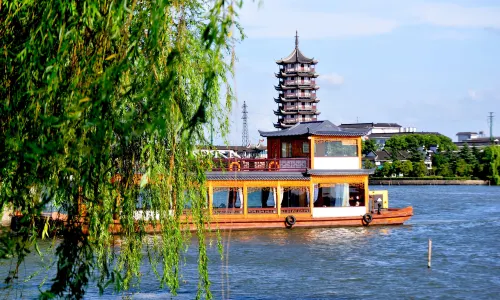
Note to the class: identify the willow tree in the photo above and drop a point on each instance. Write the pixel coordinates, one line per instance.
(103, 101)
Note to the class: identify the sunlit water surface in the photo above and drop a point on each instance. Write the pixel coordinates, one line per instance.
(387, 262)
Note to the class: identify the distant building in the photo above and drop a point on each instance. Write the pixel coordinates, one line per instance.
(381, 132)
(251, 151)
(382, 156)
(297, 101)
(381, 138)
(479, 142)
(377, 127)
(463, 136)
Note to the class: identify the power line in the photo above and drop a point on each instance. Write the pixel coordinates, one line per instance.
(244, 136)
(490, 121)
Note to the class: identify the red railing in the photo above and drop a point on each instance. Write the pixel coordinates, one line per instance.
(261, 164)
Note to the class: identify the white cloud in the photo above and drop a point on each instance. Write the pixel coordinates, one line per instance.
(473, 94)
(332, 79)
(317, 19)
(266, 22)
(453, 15)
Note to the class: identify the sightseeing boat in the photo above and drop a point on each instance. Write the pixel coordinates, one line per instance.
(312, 177)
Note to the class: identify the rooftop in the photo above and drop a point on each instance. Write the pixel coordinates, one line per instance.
(389, 134)
(483, 141)
(319, 128)
(262, 175)
(369, 125)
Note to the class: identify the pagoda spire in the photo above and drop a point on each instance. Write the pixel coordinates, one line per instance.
(296, 39)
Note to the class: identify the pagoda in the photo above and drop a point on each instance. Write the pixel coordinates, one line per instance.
(297, 89)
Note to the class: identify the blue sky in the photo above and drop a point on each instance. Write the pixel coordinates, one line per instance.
(433, 65)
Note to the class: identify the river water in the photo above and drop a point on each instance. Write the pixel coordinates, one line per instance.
(387, 262)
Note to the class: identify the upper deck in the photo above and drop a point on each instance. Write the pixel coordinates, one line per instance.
(317, 145)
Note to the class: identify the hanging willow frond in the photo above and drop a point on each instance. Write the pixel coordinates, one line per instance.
(92, 89)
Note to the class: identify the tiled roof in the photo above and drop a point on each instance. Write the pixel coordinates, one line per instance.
(256, 176)
(341, 172)
(466, 133)
(369, 125)
(389, 134)
(321, 128)
(296, 57)
(384, 155)
(483, 141)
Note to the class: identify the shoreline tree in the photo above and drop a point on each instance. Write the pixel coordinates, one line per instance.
(92, 89)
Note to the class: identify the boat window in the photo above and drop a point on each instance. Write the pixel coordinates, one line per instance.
(305, 147)
(144, 198)
(294, 197)
(346, 148)
(286, 149)
(339, 195)
(261, 197)
(188, 204)
(357, 194)
(228, 200)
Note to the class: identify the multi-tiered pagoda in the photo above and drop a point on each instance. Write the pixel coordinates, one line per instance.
(297, 89)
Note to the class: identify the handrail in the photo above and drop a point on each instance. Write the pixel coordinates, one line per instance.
(262, 164)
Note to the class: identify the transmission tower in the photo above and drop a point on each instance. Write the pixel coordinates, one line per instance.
(244, 136)
(490, 122)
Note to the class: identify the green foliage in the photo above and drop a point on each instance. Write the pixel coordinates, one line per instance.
(385, 170)
(419, 169)
(396, 167)
(406, 168)
(91, 89)
(368, 146)
(411, 142)
(367, 164)
(491, 160)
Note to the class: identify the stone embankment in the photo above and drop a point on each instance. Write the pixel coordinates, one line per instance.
(427, 182)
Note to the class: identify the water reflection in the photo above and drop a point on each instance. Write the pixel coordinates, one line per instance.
(350, 263)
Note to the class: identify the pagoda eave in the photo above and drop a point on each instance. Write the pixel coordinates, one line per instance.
(308, 112)
(282, 125)
(295, 74)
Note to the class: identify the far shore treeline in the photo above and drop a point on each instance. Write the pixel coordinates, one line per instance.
(448, 161)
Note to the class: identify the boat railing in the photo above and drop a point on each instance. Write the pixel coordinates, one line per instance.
(262, 210)
(295, 210)
(261, 164)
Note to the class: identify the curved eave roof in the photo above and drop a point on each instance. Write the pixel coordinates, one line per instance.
(283, 125)
(314, 128)
(308, 112)
(296, 57)
(284, 112)
(295, 99)
(339, 172)
(256, 176)
(294, 74)
(296, 87)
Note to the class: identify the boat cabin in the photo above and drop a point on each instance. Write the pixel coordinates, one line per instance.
(313, 169)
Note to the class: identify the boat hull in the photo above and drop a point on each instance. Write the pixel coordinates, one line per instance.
(393, 216)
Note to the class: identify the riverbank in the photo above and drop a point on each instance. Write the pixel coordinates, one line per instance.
(426, 182)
